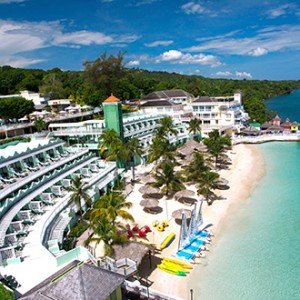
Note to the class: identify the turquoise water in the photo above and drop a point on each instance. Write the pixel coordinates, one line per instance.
(258, 254)
(287, 106)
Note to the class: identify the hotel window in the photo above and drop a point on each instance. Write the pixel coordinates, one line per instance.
(201, 108)
(206, 116)
(206, 122)
(214, 116)
(195, 108)
(208, 108)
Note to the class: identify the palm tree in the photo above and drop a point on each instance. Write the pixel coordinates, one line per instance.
(133, 148)
(107, 139)
(196, 167)
(217, 144)
(161, 149)
(207, 182)
(40, 124)
(111, 206)
(167, 178)
(78, 191)
(195, 128)
(104, 230)
(167, 126)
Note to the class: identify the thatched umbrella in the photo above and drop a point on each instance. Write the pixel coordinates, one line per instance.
(147, 178)
(250, 131)
(184, 194)
(275, 128)
(132, 250)
(149, 203)
(222, 183)
(147, 189)
(177, 214)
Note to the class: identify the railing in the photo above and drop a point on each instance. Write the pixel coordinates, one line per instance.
(124, 266)
(150, 293)
(29, 152)
(133, 132)
(78, 131)
(44, 180)
(17, 185)
(107, 170)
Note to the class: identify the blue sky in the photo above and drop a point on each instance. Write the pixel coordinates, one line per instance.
(252, 39)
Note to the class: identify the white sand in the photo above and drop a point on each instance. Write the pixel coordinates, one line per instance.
(243, 175)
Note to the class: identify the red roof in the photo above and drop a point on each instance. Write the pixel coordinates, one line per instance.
(112, 98)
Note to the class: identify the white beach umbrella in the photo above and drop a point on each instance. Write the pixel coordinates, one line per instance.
(36, 113)
(23, 119)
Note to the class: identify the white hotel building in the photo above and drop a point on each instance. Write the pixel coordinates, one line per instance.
(221, 111)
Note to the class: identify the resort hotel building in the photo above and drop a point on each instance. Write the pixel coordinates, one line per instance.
(35, 208)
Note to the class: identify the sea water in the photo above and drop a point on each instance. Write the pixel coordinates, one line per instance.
(257, 255)
(288, 106)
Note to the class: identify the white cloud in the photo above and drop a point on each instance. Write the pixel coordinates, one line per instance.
(171, 55)
(258, 52)
(223, 73)
(82, 37)
(11, 1)
(159, 43)
(243, 75)
(192, 8)
(21, 37)
(175, 56)
(17, 61)
(133, 63)
(144, 2)
(286, 9)
(271, 39)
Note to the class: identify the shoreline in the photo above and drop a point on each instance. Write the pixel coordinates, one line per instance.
(245, 173)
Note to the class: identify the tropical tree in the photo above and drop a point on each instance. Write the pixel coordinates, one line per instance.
(111, 206)
(206, 184)
(196, 167)
(134, 149)
(166, 126)
(40, 124)
(15, 108)
(107, 139)
(161, 148)
(107, 232)
(6, 294)
(217, 144)
(167, 179)
(79, 192)
(194, 128)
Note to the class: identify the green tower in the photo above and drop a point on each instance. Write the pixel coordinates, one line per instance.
(112, 109)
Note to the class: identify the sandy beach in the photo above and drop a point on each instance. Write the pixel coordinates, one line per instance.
(243, 174)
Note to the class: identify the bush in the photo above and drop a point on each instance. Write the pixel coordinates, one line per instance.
(75, 232)
(6, 294)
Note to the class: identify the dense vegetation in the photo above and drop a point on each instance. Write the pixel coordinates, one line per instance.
(5, 294)
(108, 74)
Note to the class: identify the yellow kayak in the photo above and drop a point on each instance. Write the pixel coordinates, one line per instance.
(174, 267)
(164, 268)
(178, 262)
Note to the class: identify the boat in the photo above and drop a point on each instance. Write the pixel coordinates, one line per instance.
(167, 241)
(164, 268)
(178, 262)
(174, 267)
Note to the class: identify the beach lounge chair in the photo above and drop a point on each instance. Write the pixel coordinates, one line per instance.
(37, 211)
(6, 180)
(34, 169)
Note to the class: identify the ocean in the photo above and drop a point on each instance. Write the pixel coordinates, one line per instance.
(257, 256)
(288, 106)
